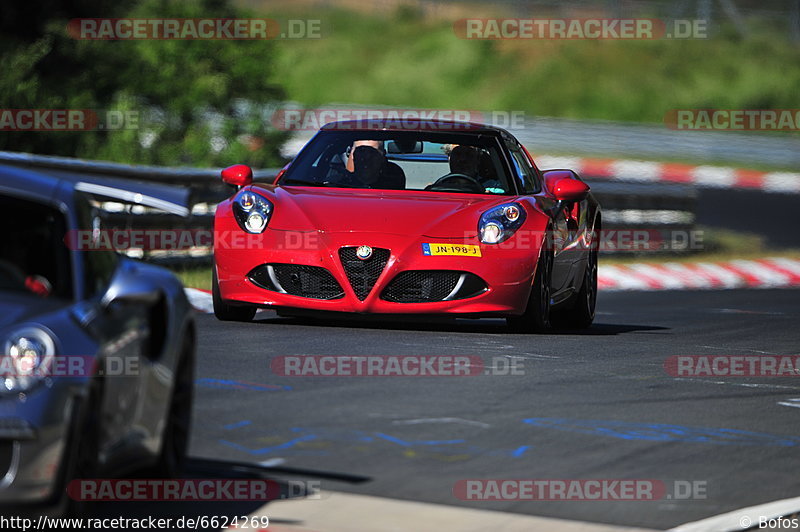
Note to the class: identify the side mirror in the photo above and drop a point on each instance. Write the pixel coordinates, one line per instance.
(564, 185)
(128, 286)
(239, 175)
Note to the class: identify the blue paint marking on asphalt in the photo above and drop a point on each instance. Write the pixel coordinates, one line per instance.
(412, 443)
(240, 385)
(237, 425)
(663, 432)
(519, 451)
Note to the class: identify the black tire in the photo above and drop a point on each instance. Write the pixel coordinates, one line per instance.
(175, 440)
(225, 312)
(86, 453)
(536, 318)
(580, 314)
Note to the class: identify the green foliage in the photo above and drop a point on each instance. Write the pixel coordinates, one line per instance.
(409, 61)
(198, 102)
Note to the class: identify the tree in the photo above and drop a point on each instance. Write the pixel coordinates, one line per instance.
(196, 102)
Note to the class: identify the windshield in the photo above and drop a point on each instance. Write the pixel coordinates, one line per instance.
(438, 162)
(33, 253)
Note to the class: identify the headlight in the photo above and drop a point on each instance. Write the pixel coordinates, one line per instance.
(26, 359)
(252, 211)
(499, 223)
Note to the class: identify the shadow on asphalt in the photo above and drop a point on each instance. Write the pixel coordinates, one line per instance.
(611, 329)
(436, 324)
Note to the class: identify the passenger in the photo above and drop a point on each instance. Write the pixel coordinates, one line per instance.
(350, 164)
(368, 168)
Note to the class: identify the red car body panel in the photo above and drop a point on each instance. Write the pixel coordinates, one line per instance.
(400, 221)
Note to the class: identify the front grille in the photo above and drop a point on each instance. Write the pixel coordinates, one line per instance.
(363, 274)
(301, 280)
(427, 286)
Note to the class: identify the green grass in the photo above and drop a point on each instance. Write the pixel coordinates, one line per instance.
(410, 61)
(196, 277)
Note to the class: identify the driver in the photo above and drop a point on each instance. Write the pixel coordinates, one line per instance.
(464, 160)
(477, 164)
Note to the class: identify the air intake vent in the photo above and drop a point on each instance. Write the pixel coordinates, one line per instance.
(312, 282)
(363, 274)
(427, 286)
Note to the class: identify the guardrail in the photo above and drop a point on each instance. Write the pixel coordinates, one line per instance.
(662, 210)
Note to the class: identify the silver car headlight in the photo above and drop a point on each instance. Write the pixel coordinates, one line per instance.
(499, 223)
(252, 211)
(26, 359)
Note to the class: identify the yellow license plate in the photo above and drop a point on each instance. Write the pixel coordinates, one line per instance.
(460, 250)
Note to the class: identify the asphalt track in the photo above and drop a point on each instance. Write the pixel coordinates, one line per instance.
(592, 405)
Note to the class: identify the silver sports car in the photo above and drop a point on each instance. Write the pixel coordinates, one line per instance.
(97, 360)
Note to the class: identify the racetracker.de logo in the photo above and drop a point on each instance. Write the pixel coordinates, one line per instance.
(160, 489)
(578, 28)
(602, 489)
(377, 366)
(20, 365)
(67, 120)
(733, 366)
(291, 119)
(125, 29)
(733, 119)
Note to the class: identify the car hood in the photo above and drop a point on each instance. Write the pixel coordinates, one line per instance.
(18, 307)
(432, 214)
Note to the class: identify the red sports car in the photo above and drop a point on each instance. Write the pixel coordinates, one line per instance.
(410, 217)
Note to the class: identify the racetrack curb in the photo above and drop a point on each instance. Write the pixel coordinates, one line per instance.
(200, 299)
(775, 272)
(655, 172)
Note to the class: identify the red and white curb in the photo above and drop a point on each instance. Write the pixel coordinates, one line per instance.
(654, 172)
(757, 273)
(773, 272)
(200, 299)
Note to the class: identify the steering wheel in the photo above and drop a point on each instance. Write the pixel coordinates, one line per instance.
(473, 185)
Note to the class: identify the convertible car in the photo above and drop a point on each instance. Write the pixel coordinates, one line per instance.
(410, 217)
(97, 361)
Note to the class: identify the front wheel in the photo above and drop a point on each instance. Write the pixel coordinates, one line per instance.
(175, 440)
(222, 310)
(83, 459)
(537, 314)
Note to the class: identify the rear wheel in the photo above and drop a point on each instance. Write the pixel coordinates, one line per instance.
(581, 314)
(536, 318)
(222, 310)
